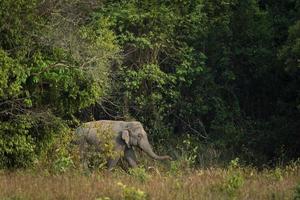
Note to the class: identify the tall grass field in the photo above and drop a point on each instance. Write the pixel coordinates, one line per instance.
(232, 182)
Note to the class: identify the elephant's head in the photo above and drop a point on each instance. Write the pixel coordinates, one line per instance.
(135, 135)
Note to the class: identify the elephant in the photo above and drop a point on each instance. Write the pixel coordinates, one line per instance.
(126, 136)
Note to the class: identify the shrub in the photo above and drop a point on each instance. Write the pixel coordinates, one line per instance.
(277, 174)
(233, 183)
(234, 180)
(103, 198)
(189, 151)
(63, 164)
(132, 193)
(175, 168)
(16, 144)
(297, 192)
(96, 156)
(140, 174)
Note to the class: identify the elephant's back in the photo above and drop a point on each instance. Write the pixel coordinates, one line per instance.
(101, 126)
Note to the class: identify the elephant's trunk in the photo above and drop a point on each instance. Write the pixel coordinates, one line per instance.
(153, 155)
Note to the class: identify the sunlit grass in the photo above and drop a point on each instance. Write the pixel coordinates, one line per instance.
(212, 183)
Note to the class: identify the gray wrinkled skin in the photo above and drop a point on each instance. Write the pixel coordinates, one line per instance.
(127, 136)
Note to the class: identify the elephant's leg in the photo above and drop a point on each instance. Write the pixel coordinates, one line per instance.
(112, 163)
(120, 148)
(83, 155)
(130, 157)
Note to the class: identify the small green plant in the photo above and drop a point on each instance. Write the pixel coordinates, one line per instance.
(139, 173)
(297, 192)
(175, 168)
(233, 183)
(132, 193)
(277, 174)
(63, 164)
(191, 150)
(234, 180)
(234, 164)
(103, 198)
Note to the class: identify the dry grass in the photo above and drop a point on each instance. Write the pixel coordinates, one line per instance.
(195, 184)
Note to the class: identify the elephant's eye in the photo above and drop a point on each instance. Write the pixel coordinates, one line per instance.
(140, 135)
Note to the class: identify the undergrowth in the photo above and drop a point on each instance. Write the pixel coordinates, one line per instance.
(156, 182)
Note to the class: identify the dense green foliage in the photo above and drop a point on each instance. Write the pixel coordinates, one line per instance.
(51, 68)
(222, 75)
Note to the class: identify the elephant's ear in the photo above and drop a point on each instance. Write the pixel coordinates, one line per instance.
(125, 137)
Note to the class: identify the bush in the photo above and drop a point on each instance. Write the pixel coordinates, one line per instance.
(140, 174)
(234, 180)
(103, 198)
(131, 193)
(63, 164)
(96, 156)
(17, 146)
(175, 168)
(297, 192)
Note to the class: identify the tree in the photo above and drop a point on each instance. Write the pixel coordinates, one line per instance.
(52, 65)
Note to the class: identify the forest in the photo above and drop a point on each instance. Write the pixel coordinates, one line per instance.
(215, 83)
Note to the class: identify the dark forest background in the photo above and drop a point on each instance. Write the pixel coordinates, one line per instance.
(213, 80)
